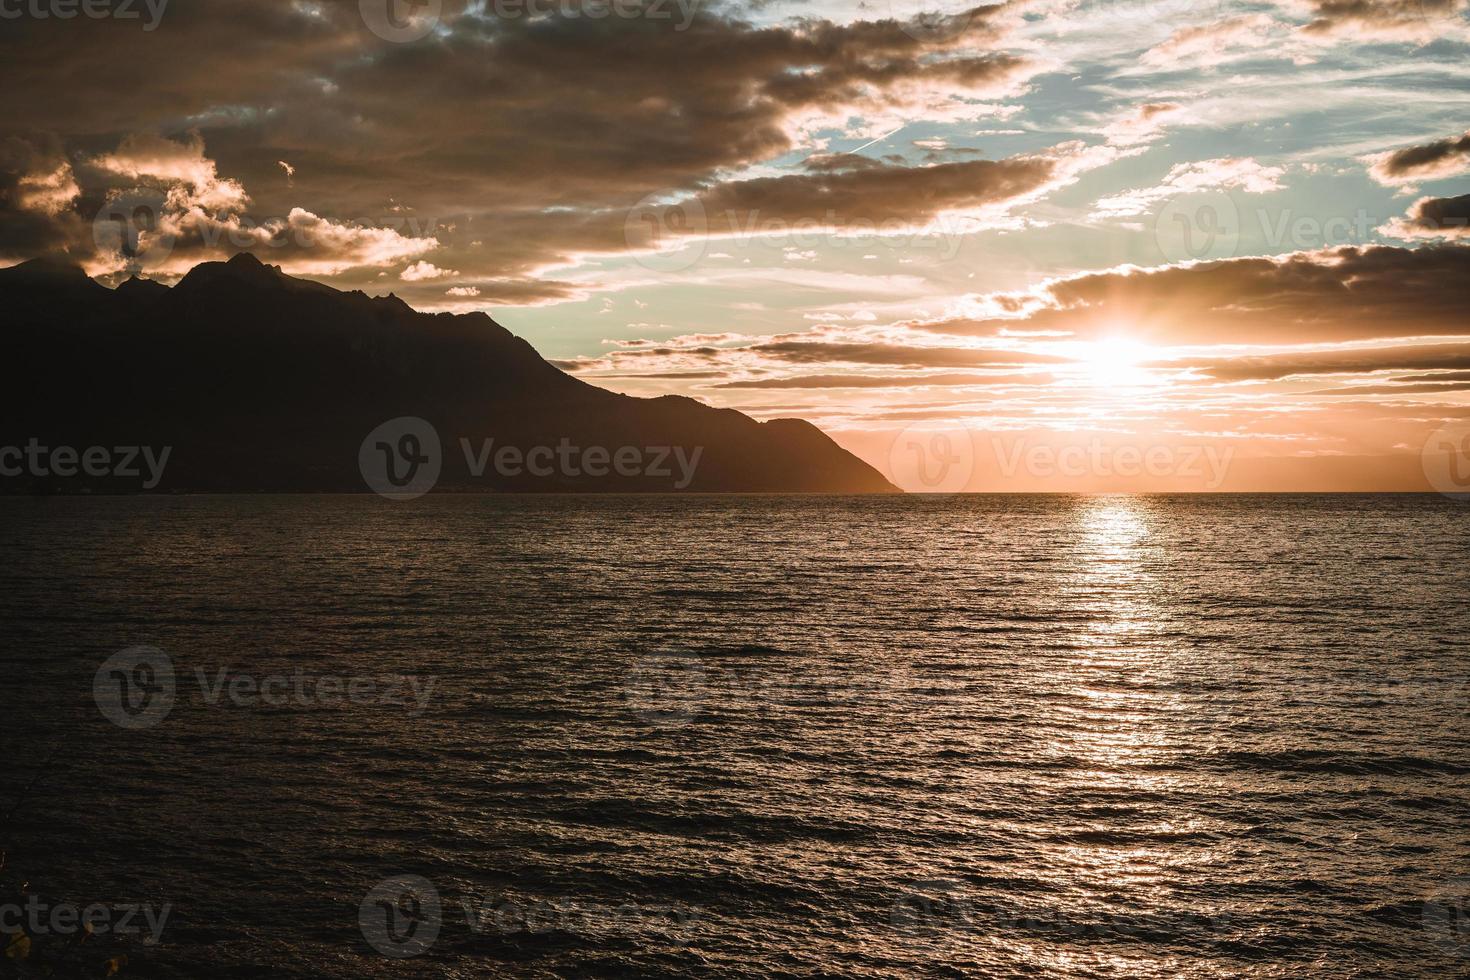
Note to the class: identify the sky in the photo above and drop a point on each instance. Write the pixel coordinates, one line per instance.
(1047, 245)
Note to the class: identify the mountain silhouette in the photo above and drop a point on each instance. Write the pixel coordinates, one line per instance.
(255, 381)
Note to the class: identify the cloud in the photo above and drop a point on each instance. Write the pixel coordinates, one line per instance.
(871, 197)
(36, 195)
(48, 192)
(1335, 294)
(162, 206)
(1350, 361)
(192, 178)
(1433, 217)
(1143, 124)
(1380, 20)
(1427, 161)
(888, 381)
(1394, 389)
(812, 352)
(550, 175)
(1230, 173)
(1211, 44)
(420, 271)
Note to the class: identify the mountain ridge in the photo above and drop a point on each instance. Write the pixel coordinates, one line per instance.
(263, 382)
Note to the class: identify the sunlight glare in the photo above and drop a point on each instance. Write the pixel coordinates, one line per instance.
(1115, 362)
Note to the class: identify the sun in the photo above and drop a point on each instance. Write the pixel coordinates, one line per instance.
(1114, 362)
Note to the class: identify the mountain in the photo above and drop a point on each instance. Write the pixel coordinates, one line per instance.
(243, 379)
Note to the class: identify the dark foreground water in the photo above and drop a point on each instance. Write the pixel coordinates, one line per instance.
(743, 737)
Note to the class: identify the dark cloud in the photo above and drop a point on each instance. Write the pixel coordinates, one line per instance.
(871, 197)
(1433, 217)
(1446, 376)
(1417, 389)
(1421, 357)
(526, 142)
(1346, 293)
(1369, 20)
(36, 204)
(1427, 161)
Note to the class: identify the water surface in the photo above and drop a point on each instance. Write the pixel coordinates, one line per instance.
(756, 736)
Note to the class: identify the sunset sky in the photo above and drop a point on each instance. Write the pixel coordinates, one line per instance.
(1136, 244)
